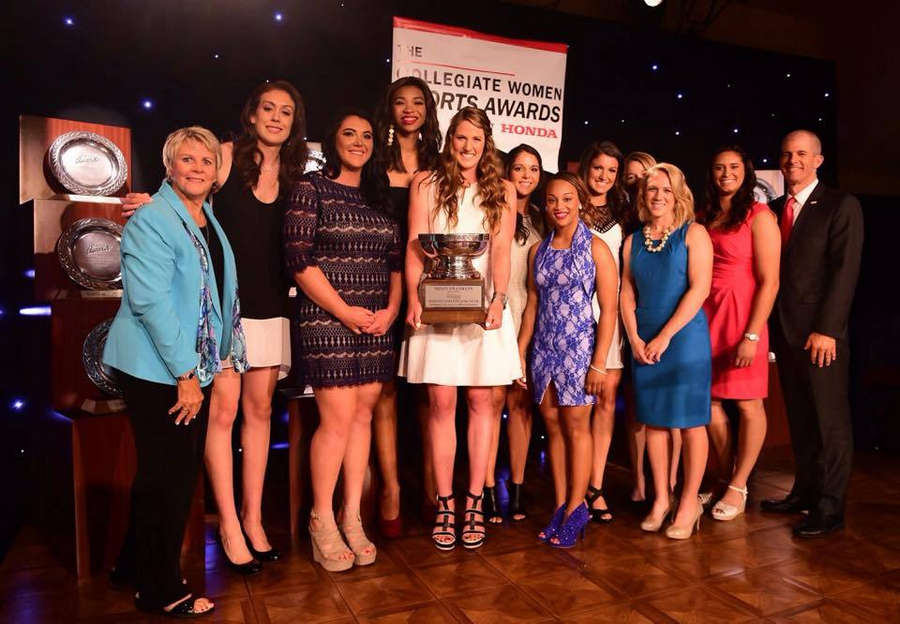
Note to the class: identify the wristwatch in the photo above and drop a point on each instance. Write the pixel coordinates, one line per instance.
(186, 377)
(752, 337)
(503, 298)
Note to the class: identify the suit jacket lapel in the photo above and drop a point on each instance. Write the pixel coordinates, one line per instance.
(806, 213)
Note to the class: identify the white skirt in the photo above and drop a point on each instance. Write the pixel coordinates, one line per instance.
(461, 355)
(614, 358)
(268, 343)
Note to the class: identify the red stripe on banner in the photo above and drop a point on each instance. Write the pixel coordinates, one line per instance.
(441, 29)
(474, 69)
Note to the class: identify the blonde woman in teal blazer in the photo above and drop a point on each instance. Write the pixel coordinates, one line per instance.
(177, 327)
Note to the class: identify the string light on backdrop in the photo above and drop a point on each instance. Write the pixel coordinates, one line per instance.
(278, 16)
(29, 273)
(679, 96)
(653, 3)
(147, 104)
(35, 311)
(17, 405)
(69, 21)
(654, 67)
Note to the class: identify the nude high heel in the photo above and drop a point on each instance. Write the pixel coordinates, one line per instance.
(684, 532)
(725, 511)
(328, 546)
(651, 524)
(359, 543)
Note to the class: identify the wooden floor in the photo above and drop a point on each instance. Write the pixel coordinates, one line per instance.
(750, 569)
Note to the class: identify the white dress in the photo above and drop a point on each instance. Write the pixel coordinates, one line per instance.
(612, 236)
(518, 273)
(462, 354)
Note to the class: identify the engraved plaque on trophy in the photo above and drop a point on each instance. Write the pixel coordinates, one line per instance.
(453, 291)
(88, 251)
(87, 163)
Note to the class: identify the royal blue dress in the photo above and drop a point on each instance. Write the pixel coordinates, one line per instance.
(563, 341)
(673, 392)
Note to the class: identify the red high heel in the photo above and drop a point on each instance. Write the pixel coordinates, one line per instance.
(391, 529)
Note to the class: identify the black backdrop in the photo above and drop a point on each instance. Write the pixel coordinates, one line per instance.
(196, 61)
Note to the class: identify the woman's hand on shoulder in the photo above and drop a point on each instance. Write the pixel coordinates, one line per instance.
(132, 201)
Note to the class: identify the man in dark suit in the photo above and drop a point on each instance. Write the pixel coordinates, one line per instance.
(822, 236)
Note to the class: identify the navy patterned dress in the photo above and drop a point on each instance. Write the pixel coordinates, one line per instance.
(331, 226)
(563, 342)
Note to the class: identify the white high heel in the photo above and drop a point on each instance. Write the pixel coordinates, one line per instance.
(726, 511)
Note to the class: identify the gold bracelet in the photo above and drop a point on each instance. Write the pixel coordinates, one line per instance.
(599, 370)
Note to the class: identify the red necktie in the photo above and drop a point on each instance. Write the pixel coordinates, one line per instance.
(787, 221)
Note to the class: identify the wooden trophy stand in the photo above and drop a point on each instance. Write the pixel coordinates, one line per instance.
(84, 506)
(456, 301)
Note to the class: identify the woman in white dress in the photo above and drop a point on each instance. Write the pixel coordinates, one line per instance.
(525, 170)
(465, 194)
(601, 170)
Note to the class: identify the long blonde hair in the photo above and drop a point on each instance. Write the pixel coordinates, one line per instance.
(489, 173)
(684, 199)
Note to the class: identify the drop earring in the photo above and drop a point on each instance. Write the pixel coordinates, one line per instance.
(420, 136)
(390, 136)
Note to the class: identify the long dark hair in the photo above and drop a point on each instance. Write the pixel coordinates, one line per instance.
(616, 197)
(534, 214)
(373, 182)
(292, 156)
(742, 200)
(429, 145)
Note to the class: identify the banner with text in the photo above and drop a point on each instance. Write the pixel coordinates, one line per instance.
(518, 83)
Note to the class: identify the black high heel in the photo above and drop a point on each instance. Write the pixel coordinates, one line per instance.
(603, 516)
(491, 508)
(444, 524)
(516, 506)
(472, 525)
(267, 555)
(251, 567)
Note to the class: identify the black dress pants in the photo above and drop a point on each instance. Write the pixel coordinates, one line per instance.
(169, 457)
(818, 411)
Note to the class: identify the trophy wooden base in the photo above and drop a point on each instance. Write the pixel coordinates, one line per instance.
(452, 301)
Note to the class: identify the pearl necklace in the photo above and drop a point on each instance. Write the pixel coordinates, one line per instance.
(648, 242)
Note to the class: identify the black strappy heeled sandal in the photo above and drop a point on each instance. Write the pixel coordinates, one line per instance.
(516, 505)
(490, 506)
(444, 524)
(472, 525)
(603, 516)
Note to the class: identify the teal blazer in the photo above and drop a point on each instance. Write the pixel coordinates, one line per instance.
(158, 332)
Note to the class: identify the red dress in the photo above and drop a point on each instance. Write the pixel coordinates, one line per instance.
(728, 310)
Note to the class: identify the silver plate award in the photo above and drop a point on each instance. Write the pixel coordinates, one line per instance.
(100, 374)
(88, 251)
(87, 163)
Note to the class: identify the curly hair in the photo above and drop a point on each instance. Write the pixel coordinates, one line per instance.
(534, 213)
(684, 199)
(292, 155)
(428, 146)
(742, 200)
(373, 182)
(616, 197)
(489, 173)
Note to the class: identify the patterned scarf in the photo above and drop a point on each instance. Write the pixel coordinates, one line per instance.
(207, 345)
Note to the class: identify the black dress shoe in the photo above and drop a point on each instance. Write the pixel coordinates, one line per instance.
(251, 567)
(261, 555)
(790, 504)
(818, 526)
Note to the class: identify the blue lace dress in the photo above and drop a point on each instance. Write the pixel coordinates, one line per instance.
(563, 342)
